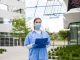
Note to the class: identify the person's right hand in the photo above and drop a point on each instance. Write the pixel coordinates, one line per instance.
(35, 45)
(30, 46)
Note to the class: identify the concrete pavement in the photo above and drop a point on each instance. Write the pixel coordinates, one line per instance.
(21, 52)
(15, 53)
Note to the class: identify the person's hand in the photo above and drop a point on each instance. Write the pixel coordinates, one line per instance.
(30, 46)
(35, 45)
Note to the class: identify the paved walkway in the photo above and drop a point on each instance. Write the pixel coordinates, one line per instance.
(19, 52)
(15, 53)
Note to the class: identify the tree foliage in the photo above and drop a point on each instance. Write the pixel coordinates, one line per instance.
(63, 34)
(20, 28)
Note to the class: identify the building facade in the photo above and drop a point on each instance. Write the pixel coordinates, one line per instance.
(72, 20)
(9, 9)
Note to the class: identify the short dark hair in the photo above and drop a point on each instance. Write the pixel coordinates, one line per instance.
(37, 19)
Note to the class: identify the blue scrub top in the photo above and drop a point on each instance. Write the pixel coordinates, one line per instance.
(36, 53)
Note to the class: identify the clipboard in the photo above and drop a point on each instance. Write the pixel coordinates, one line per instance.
(41, 42)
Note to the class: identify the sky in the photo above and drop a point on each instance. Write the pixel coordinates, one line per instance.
(48, 22)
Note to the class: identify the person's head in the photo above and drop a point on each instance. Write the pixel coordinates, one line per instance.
(37, 23)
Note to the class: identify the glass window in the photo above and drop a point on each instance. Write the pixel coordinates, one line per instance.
(75, 33)
(42, 3)
(41, 10)
(11, 41)
(79, 33)
(30, 12)
(2, 42)
(15, 42)
(6, 41)
(33, 8)
(31, 3)
(1, 20)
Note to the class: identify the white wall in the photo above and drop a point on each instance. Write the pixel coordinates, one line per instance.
(66, 2)
(5, 27)
(8, 14)
(71, 16)
(13, 3)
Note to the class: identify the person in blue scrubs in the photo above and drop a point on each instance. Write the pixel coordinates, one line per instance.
(37, 53)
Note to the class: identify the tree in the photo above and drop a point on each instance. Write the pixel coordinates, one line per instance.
(63, 35)
(20, 28)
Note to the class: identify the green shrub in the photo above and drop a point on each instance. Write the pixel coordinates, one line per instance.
(2, 50)
(65, 53)
(63, 35)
